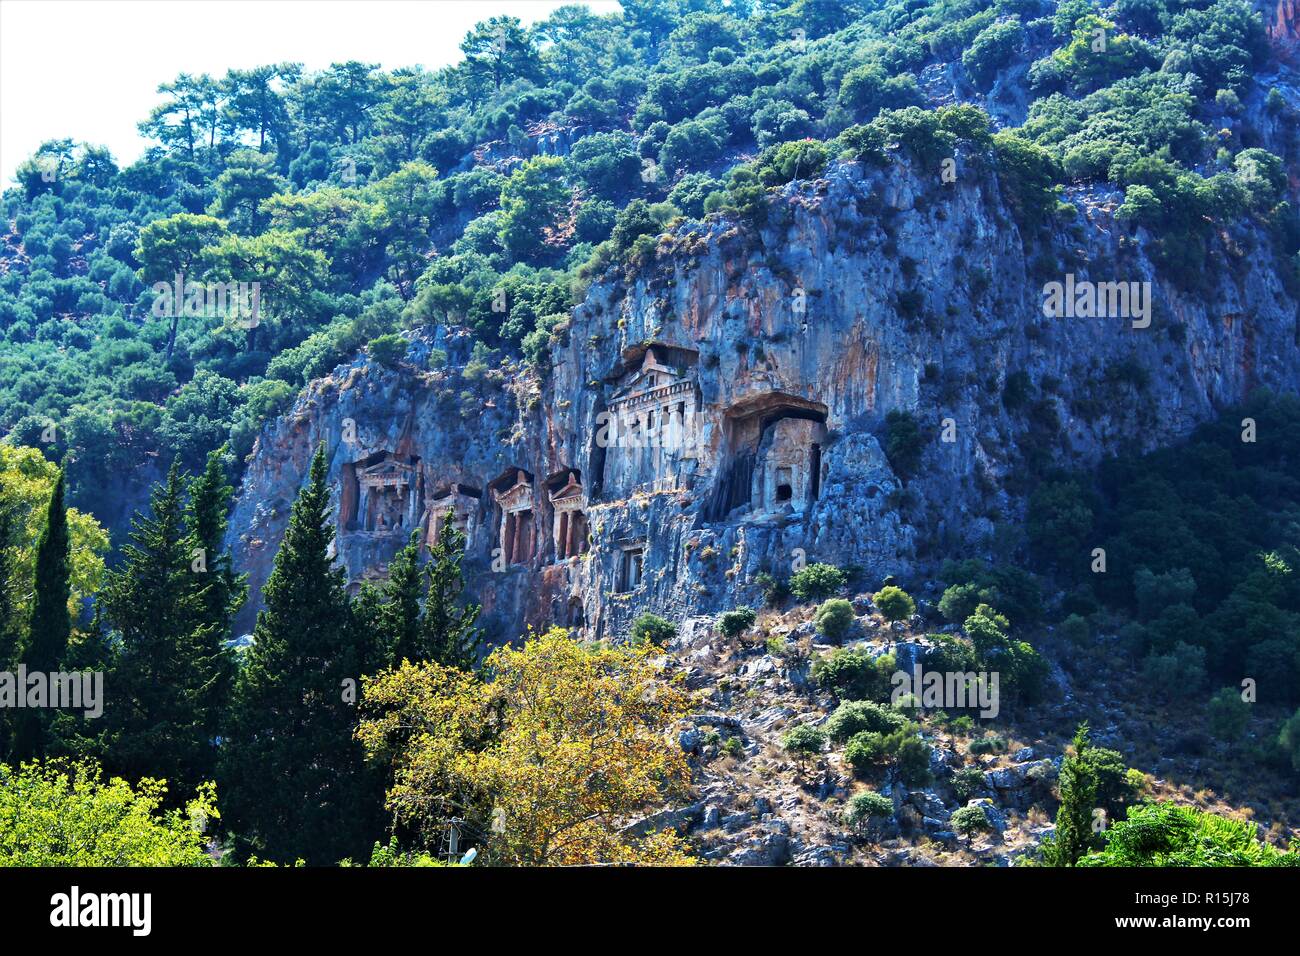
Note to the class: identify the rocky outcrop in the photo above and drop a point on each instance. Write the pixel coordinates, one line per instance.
(1282, 23)
(719, 412)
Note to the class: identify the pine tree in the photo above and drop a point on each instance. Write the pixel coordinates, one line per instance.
(150, 602)
(447, 631)
(399, 618)
(50, 626)
(294, 779)
(1078, 787)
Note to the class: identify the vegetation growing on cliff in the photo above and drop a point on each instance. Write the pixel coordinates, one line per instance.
(366, 202)
(489, 195)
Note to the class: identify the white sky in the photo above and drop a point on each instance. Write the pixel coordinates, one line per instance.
(90, 69)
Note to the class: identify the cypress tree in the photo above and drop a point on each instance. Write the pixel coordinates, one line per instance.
(1078, 787)
(293, 776)
(219, 594)
(448, 632)
(9, 631)
(50, 626)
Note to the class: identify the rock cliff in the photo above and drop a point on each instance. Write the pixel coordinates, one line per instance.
(1282, 22)
(720, 411)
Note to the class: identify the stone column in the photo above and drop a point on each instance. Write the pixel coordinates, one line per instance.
(575, 529)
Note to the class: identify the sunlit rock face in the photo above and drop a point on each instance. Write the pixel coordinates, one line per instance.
(1282, 23)
(720, 411)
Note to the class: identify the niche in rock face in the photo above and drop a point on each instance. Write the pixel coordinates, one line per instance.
(649, 427)
(381, 493)
(569, 519)
(772, 457)
(787, 465)
(462, 502)
(517, 536)
(631, 567)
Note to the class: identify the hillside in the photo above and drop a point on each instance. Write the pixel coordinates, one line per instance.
(707, 327)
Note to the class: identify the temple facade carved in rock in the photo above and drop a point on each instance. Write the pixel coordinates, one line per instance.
(517, 536)
(569, 520)
(382, 493)
(462, 502)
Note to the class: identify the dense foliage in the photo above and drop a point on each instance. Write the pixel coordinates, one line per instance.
(489, 193)
(1202, 549)
(70, 816)
(284, 219)
(1164, 834)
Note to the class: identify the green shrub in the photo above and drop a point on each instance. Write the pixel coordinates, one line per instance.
(959, 602)
(834, 618)
(1228, 714)
(857, 716)
(800, 159)
(904, 748)
(1075, 630)
(970, 819)
(1288, 739)
(1115, 787)
(816, 582)
(991, 50)
(1014, 592)
(952, 653)
(653, 629)
(895, 603)
(865, 807)
(774, 589)
(854, 675)
(988, 745)
(736, 622)
(986, 629)
(912, 755)
(1177, 674)
(387, 350)
(866, 751)
(967, 782)
(804, 741)
(903, 442)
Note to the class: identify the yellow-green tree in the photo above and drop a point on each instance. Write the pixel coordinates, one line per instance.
(59, 814)
(26, 480)
(548, 759)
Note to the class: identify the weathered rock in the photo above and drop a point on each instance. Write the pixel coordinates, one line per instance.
(677, 818)
(997, 819)
(788, 347)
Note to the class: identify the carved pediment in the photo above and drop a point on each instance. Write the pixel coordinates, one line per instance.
(570, 494)
(455, 495)
(387, 471)
(653, 376)
(518, 497)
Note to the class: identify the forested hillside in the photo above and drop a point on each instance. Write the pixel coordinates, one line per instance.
(366, 202)
(303, 455)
